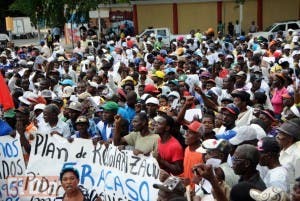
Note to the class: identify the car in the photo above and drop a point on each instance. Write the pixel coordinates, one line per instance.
(164, 33)
(293, 25)
(3, 40)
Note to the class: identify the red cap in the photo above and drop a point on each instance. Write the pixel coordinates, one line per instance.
(142, 69)
(150, 88)
(194, 126)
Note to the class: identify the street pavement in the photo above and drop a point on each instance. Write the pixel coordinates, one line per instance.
(35, 42)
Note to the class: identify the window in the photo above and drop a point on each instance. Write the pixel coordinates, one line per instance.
(149, 32)
(161, 32)
(293, 26)
(280, 27)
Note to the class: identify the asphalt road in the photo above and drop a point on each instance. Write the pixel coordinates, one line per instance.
(36, 42)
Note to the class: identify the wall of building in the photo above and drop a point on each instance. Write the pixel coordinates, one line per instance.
(231, 13)
(193, 14)
(196, 16)
(156, 15)
(277, 10)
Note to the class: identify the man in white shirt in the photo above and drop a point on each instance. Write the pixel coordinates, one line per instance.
(276, 175)
(289, 141)
(52, 124)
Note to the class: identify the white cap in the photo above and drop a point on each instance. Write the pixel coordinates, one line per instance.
(152, 100)
(247, 133)
(287, 47)
(39, 106)
(93, 84)
(174, 93)
(67, 92)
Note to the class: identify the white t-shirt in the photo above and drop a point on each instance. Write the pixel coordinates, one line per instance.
(277, 177)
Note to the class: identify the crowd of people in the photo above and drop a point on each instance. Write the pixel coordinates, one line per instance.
(220, 113)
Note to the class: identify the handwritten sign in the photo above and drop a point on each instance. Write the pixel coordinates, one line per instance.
(12, 166)
(116, 175)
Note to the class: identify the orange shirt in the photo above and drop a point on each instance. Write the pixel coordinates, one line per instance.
(191, 158)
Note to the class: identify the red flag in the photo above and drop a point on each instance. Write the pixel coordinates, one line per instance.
(6, 99)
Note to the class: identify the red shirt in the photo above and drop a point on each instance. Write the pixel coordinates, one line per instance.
(170, 151)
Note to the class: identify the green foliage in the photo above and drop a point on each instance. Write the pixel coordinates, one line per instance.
(57, 12)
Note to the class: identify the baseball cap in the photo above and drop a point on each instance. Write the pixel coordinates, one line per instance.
(268, 114)
(142, 69)
(39, 106)
(67, 91)
(81, 119)
(93, 84)
(159, 74)
(128, 78)
(268, 144)
(270, 194)
(243, 134)
(213, 144)
(110, 106)
(194, 126)
(232, 108)
(84, 95)
(170, 70)
(67, 82)
(150, 88)
(171, 185)
(75, 106)
(46, 93)
(175, 94)
(152, 100)
(227, 135)
(241, 73)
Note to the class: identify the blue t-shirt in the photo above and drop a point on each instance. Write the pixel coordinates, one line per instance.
(5, 128)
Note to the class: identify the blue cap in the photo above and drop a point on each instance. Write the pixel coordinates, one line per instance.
(67, 82)
(232, 108)
(169, 60)
(170, 70)
(227, 135)
(164, 52)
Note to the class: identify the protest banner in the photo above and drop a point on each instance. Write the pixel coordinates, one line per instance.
(12, 166)
(116, 175)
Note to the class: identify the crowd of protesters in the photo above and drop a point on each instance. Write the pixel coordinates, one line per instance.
(220, 113)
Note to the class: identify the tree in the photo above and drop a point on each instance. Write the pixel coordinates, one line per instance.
(53, 12)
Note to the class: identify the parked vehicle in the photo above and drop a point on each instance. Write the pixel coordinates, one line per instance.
(279, 26)
(4, 39)
(165, 33)
(23, 28)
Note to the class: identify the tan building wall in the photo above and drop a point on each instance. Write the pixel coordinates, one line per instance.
(231, 13)
(155, 16)
(281, 10)
(196, 16)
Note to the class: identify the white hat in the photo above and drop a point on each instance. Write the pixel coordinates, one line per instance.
(152, 100)
(247, 133)
(290, 30)
(283, 60)
(209, 144)
(67, 91)
(93, 84)
(287, 47)
(229, 56)
(24, 100)
(295, 110)
(174, 93)
(39, 106)
(295, 39)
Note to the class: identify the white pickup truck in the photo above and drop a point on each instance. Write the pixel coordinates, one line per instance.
(279, 26)
(165, 33)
